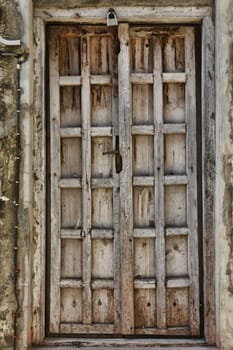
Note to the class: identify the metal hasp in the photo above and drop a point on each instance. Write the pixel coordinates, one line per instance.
(111, 18)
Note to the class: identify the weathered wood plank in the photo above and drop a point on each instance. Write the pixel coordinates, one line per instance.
(143, 181)
(144, 232)
(174, 128)
(102, 183)
(101, 79)
(173, 77)
(169, 14)
(70, 80)
(175, 180)
(86, 180)
(102, 284)
(159, 186)
(55, 257)
(70, 183)
(177, 231)
(70, 132)
(71, 233)
(178, 282)
(125, 181)
(71, 328)
(208, 175)
(192, 220)
(141, 78)
(144, 283)
(97, 233)
(71, 283)
(101, 131)
(143, 130)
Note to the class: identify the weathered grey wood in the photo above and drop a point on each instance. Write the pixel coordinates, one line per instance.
(71, 283)
(144, 284)
(116, 188)
(102, 183)
(71, 233)
(70, 183)
(208, 173)
(101, 131)
(70, 80)
(101, 79)
(55, 255)
(102, 233)
(159, 186)
(39, 187)
(178, 282)
(174, 77)
(137, 14)
(72, 328)
(102, 284)
(175, 180)
(174, 128)
(125, 181)
(86, 180)
(70, 132)
(177, 231)
(143, 130)
(143, 181)
(140, 78)
(190, 111)
(144, 232)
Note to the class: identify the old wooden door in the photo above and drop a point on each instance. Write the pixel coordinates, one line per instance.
(122, 223)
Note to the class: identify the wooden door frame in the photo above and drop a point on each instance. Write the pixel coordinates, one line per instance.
(139, 15)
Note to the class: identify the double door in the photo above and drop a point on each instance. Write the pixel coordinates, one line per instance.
(122, 181)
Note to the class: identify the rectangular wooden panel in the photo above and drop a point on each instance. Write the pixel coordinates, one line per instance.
(71, 305)
(175, 205)
(70, 106)
(142, 106)
(145, 308)
(177, 256)
(71, 258)
(143, 207)
(173, 54)
(141, 55)
(100, 54)
(102, 258)
(102, 162)
(174, 102)
(103, 306)
(101, 105)
(177, 307)
(175, 154)
(71, 209)
(143, 155)
(71, 157)
(102, 210)
(144, 258)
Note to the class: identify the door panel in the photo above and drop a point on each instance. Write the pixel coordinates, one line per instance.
(123, 193)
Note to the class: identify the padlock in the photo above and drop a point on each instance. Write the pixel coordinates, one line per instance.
(111, 18)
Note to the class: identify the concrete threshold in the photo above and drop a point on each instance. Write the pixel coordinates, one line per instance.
(123, 344)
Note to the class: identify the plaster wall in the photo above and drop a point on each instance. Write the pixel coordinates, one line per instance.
(224, 163)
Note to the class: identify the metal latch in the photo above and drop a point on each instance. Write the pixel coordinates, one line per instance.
(112, 18)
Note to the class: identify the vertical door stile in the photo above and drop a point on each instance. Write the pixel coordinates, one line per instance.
(55, 260)
(116, 191)
(159, 185)
(190, 111)
(86, 180)
(126, 220)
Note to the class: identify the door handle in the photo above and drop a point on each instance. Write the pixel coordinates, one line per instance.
(118, 158)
